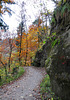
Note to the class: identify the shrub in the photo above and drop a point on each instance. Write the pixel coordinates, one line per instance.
(11, 77)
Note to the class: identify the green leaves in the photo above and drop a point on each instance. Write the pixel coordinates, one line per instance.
(44, 42)
(54, 39)
(65, 7)
(1, 72)
(53, 43)
(45, 87)
(54, 33)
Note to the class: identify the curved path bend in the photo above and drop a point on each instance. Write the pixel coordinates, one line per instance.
(26, 87)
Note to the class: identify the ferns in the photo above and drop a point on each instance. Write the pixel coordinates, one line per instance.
(53, 20)
(65, 7)
(61, 13)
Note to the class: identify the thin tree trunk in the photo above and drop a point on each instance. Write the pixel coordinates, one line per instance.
(0, 78)
(10, 43)
(9, 59)
(26, 50)
(20, 45)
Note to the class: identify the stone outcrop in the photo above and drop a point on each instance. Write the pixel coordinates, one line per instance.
(58, 67)
(57, 60)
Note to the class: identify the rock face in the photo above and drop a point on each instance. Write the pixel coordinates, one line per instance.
(58, 67)
(40, 57)
(57, 60)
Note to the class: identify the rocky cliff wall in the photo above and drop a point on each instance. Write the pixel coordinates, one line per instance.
(56, 59)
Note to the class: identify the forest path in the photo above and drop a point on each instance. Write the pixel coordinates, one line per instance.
(26, 87)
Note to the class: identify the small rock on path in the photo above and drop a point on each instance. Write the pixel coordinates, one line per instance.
(26, 87)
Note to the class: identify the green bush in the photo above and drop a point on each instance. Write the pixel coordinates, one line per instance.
(45, 84)
(11, 77)
(45, 90)
(45, 87)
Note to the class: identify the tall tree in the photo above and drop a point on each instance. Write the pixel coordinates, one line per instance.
(21, 29)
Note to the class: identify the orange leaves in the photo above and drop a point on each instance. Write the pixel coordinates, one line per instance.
(0, 6)
(6, 47)
(8, 1)
(29, 44)
(11, 1)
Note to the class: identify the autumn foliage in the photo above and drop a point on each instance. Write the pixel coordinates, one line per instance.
(29, 45)
(20, 50)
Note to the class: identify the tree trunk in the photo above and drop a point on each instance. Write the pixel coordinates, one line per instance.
(5, 71)
(10, 43)
(9, 59)
(26, 50)
(20, 44)
(0, 78)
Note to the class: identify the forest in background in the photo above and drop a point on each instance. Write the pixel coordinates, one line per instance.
(20, 50)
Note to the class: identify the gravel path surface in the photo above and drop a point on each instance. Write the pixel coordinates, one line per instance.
(26, 87)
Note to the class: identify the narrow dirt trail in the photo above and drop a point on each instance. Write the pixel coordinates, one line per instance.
(24, 88)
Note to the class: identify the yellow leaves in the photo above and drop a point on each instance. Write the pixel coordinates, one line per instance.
(60, 2)
(8, 1)
(44, 28)
(64, 1)
(32, 54)
(17, 64)
(29, 44)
